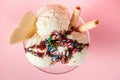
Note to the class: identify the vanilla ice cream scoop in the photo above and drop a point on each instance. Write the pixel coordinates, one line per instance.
(52, 18)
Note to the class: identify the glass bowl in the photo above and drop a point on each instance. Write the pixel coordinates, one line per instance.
(59, 68)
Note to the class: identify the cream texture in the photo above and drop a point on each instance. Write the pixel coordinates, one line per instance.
(52, 18)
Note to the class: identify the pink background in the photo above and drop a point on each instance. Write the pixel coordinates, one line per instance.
(103, 62)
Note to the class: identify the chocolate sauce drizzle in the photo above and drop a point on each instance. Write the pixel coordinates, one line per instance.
(55, 40)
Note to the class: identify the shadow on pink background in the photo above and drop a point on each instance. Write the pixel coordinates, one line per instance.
(103, 62)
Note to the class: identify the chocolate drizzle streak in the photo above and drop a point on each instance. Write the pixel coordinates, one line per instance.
(51, 44)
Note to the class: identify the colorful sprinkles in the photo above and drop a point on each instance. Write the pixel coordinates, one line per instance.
(58, 47)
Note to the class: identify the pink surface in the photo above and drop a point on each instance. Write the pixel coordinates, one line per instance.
(103, 62)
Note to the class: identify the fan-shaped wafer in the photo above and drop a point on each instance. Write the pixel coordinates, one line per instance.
(26, 28)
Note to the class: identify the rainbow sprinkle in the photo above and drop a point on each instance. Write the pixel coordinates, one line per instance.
(55, 40)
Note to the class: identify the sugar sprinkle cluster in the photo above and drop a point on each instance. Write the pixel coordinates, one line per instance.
(57, 46)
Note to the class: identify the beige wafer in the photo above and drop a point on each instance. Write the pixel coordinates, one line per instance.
(87, 26)
(26, 28)
(75, 17)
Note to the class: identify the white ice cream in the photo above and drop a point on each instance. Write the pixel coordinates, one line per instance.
(37, 61)
(51, 18)
(78, 57)
(33, 59)
(34, 40)
(76, 60)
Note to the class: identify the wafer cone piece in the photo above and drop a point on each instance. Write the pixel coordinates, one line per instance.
(26, 28)
(75, 17)
(87, 26)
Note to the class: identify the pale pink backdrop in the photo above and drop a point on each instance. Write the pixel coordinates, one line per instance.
(103, 62)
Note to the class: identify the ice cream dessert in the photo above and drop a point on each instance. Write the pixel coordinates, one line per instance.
(57, 47)
(55, 37)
